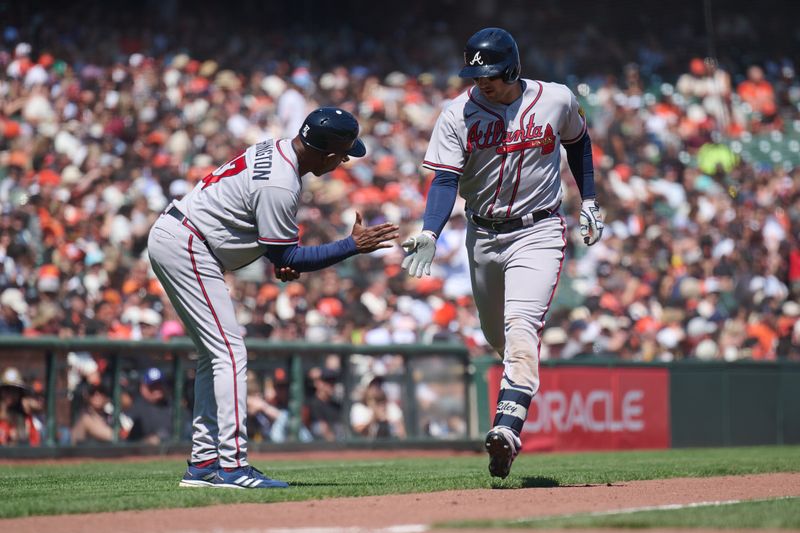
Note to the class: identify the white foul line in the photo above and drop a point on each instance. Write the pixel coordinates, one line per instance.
(407, 528)
(665, 507)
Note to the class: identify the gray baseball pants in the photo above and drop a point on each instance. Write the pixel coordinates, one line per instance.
(193, 280)
(514, 278)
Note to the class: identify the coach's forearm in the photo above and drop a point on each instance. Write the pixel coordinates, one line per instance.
(310, 258)
(579, 158)
(441, 199)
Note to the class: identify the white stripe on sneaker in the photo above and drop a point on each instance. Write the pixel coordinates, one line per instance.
(241, 480)
(195, 483)
(256, 484)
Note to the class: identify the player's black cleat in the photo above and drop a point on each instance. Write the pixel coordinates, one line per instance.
(502, 447)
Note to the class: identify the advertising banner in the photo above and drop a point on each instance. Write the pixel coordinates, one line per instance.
(594, 408)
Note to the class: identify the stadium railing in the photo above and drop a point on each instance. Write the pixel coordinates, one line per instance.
(47, 356)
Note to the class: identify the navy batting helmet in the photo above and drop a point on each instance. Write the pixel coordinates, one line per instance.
(491, 52)
(332, 130)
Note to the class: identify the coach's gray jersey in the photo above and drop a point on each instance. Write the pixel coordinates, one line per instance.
(247, 203)
(507, 156)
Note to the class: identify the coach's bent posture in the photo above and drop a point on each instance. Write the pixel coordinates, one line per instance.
(498, 143)
(240, 212)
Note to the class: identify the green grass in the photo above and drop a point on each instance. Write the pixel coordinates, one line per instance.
(27, 489)
(781, 513)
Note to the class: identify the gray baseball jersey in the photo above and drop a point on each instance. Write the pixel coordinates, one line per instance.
(507, 156)
(247, 203)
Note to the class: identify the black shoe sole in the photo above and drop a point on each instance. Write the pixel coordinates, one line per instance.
(500, 455)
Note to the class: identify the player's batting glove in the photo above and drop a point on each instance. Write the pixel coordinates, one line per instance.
(591, 221)
(421, 250)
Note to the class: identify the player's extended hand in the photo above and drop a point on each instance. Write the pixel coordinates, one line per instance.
(286, 274)
(421, 249)
(591, 221)
(371, 238)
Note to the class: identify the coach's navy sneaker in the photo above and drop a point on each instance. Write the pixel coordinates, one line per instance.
(503, 446)
(199, 476)
(246, 477)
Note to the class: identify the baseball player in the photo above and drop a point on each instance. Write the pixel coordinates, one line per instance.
(498, 143)
(240, 212)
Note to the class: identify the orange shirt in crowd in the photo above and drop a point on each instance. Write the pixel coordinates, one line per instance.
(8, 433)
(767, 339)
(759, 94)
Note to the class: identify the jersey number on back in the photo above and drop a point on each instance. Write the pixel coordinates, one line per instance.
(231, 168)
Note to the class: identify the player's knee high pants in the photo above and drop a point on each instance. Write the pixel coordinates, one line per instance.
(514, 278)
(196, 287)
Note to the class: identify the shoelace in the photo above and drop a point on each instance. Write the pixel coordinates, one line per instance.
(251, 469)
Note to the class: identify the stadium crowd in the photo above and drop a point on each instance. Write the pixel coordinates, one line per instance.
(100, 130)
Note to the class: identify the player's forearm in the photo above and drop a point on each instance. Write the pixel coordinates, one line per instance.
(310, 258)
(441, 199)
(579, 158)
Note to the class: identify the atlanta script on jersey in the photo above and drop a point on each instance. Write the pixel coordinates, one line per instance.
(507, 156)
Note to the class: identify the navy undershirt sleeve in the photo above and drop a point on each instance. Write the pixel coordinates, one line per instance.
(441, 199)
(579, 158)
(310, 258)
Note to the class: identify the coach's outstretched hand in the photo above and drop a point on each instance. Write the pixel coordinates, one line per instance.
(421, 250)
(371, 238)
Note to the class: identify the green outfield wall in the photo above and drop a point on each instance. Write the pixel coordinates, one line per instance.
(447, 398)
(734, 404)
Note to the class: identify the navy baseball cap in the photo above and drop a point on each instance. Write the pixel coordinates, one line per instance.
(332, 130)
(152, 376)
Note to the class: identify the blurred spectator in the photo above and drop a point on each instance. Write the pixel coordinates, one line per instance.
(789, 342)
(94, 424)
(759, 94)
(709, 85)
(12, 310)
(440, 408)
(45, 319)
(375, 417)
(75, 316)
(324, 408)
(715, 158)
(149, 324)
(268, 409)
(151, 411)
(291, 107)
(257, 326)
(20, 410)
(553, 341)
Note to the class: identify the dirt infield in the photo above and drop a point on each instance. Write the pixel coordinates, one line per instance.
(414, 513)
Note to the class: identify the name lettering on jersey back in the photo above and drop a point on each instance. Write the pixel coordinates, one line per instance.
(262, 167)
(494, 135)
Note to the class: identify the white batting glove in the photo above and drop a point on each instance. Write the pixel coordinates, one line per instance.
(421, 249)
(591, 221)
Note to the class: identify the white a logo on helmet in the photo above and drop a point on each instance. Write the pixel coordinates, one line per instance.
(477, 59)
(305, 130)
